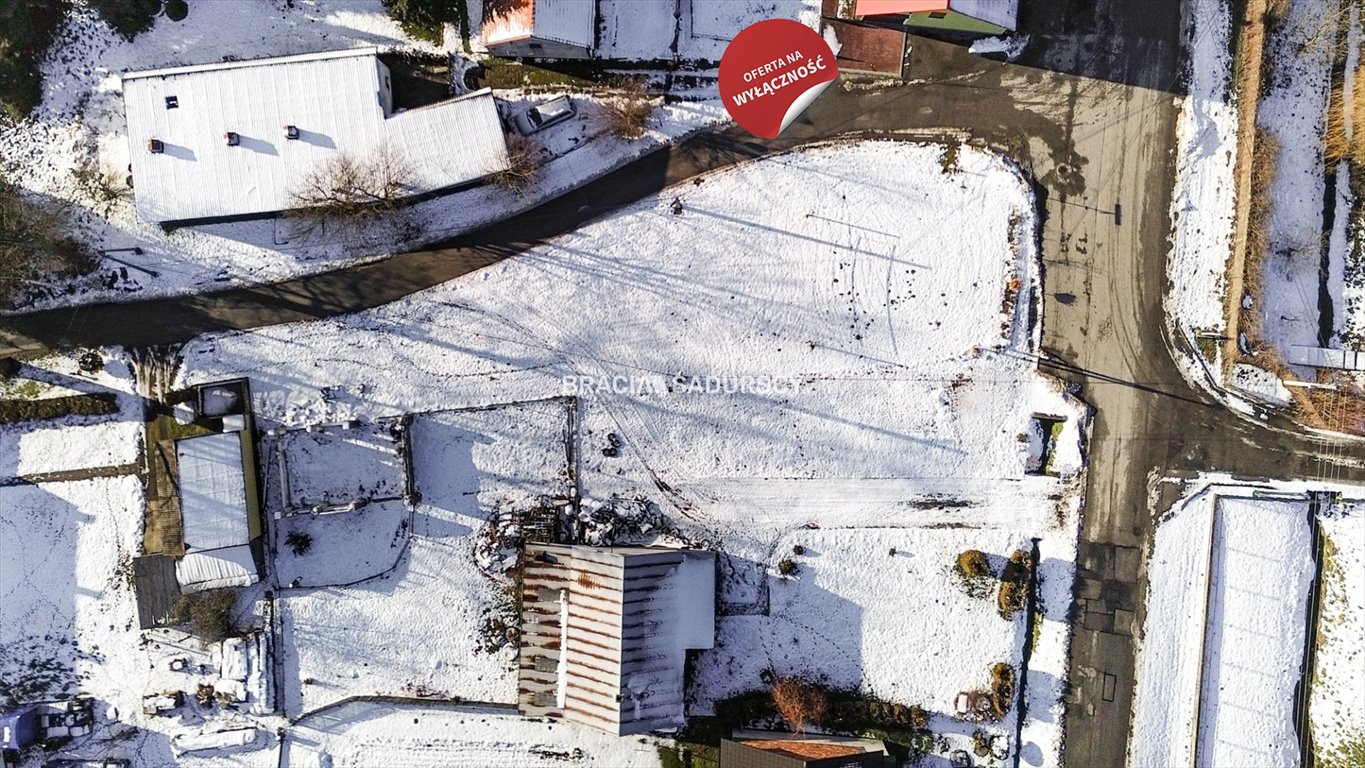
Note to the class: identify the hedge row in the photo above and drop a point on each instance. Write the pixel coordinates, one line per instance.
(98, 404)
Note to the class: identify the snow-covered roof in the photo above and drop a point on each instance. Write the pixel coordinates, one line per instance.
(566, 21)
(1003, 13)
(339, 101)
(216, 568)
(213, 503)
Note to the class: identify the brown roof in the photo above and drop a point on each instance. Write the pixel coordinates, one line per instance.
(869, 48)
(805, 750)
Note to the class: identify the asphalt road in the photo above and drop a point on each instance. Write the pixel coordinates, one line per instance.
(1091, 115)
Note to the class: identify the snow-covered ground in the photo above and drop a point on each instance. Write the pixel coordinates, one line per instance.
(76, 442)
(1336, 707)
(80, 123)
(1224, 639)
(1203, 204)
(1293, 110)
(773, 358)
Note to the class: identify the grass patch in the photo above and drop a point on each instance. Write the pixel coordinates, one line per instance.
(501, 73)
(1350, 753)
(18, 411)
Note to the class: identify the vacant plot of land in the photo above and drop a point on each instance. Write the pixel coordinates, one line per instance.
(416, 629)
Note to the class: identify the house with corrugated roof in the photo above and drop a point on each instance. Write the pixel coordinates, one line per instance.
(605, 633)
(561, 29)
(236, 139)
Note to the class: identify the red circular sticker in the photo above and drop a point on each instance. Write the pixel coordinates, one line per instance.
(771, 72)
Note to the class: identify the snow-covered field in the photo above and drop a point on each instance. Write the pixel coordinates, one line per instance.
(1224, 638)
(80, 122)
(759, 368)
(1204, 200)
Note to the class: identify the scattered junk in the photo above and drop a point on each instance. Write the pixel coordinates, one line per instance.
(162, 703)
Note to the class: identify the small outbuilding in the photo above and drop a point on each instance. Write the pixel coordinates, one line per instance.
(605, 633)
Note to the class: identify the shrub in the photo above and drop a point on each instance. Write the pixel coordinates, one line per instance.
(974, 570)
(129, 18)
(33, 242)
(523, 155)
(1014, 583)
(1002, 689)
(787, 567)
(90, 362)
(799, 703)
(628, 115)
(209, 614)
(949, 158)
(298, 542)
(798, 550)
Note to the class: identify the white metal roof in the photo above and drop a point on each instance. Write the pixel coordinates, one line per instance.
(336, 99)
(566, 21)
(216, 568)
(213, 504)
(1004, 13)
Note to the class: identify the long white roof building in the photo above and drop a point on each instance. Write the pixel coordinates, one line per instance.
(288, 115)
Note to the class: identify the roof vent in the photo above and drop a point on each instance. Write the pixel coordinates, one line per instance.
(155, 146)
(291, 131)
(172, 102)
(232, 139)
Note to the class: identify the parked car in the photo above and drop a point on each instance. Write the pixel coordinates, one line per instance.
(543, 116)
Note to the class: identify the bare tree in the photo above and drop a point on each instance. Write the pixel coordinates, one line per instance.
(353, 190)
(800, 703)
(523, 162)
